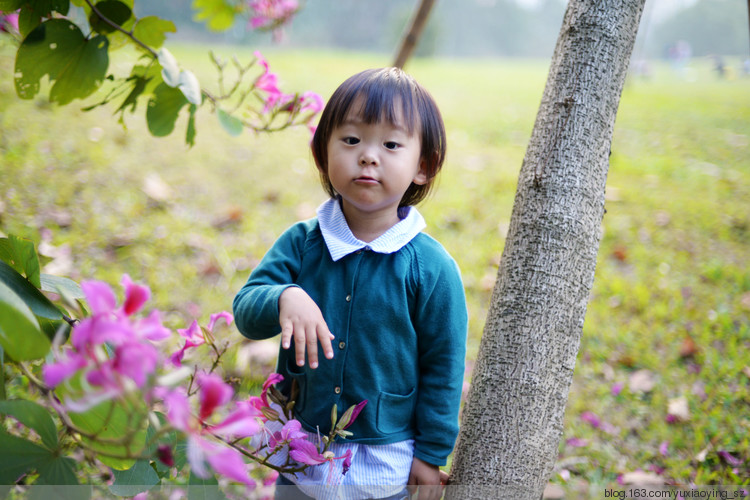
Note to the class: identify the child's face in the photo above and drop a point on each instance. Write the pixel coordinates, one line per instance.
(372, 165)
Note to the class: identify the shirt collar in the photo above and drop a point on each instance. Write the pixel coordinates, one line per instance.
(341, 241)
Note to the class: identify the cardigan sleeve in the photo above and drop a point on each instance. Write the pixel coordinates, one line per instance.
(256, 305)
(441, 320)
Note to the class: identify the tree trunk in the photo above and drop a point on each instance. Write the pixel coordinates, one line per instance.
(413, 32)
(513, 419)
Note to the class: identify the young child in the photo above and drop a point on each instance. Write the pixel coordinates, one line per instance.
(382, 300)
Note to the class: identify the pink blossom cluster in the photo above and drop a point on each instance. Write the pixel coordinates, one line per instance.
(274, 98)
(9, 22)
(114, 350)
(268, 14)
(115, 353)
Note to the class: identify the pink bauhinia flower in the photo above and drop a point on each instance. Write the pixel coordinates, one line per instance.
(135, 296)
(272, 13)
(195, 337)
(591, 418)
(242, 422)
(224, 460)
(64, 368)
(311, 101)
(305, 452)
(292, 430)
(214, 392)
(273, 379)
(9, 22)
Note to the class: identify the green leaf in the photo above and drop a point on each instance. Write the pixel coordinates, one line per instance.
(11, 5)
(232, 125)
(3, 394)
(110, 421)
(60, 285)
(58, 49)
(28, 20)
(190, 134)
(152, 30)
(137, 479)
(46, 7)
(19, 456)
(114, 10)
(59, 471)
(29, 294)
(203, 489)
(33, 416)
(21, 255)
(163, 108)
(20, 335)
(218, 14)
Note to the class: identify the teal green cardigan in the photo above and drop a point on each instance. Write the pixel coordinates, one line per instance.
(400, 323)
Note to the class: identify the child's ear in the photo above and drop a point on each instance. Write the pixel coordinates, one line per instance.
(421, 178)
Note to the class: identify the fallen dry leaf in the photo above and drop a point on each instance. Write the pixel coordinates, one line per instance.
(642, 381)
(553, 492)
(688, 348)
(679, 409)
(746, 371)
(745, 301)
(232, 215)
(620, 253)
(156, 189)
(641, 478)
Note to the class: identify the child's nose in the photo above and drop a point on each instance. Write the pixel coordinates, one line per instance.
(368, 158)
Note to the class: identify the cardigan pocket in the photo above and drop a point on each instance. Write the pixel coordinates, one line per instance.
(395, 411)
(299, 377)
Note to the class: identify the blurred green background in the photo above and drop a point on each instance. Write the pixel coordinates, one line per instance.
(662, 384)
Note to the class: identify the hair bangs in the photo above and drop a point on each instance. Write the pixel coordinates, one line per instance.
(389, 94)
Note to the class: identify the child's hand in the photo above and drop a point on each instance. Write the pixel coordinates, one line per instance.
(429, 478)
(300, 317)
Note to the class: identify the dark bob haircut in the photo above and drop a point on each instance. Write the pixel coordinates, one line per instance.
(381, 91)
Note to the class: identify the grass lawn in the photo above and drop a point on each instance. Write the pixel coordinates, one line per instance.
(662, 384)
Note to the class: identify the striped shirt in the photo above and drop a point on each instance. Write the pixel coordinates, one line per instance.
(377, 471)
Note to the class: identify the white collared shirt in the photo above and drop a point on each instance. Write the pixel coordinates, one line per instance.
(341, 241)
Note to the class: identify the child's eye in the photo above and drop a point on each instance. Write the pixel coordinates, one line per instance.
(391, 145)
(350, 140)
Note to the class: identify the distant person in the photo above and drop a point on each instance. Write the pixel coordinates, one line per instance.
(720, 67)
(383, 300)
(680, 54)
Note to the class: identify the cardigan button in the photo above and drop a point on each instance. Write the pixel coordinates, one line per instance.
(337, 390)
(348, 298)
(342, 345)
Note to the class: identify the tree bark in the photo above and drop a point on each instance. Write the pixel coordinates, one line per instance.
(513, 419)
(413, 32)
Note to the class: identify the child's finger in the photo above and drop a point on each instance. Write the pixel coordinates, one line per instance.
(312, 348)
(325, 336)
(287, 329)
(299, 345)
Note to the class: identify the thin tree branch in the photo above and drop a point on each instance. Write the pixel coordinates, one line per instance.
(414, 32)
(119, 28)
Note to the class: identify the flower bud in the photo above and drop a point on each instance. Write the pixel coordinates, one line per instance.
(164, 453)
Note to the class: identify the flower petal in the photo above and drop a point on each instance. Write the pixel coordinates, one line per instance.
(214, 392)
(305, 452)
(100, 297)
(216, 317)
(54, 373)
(135, 296)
